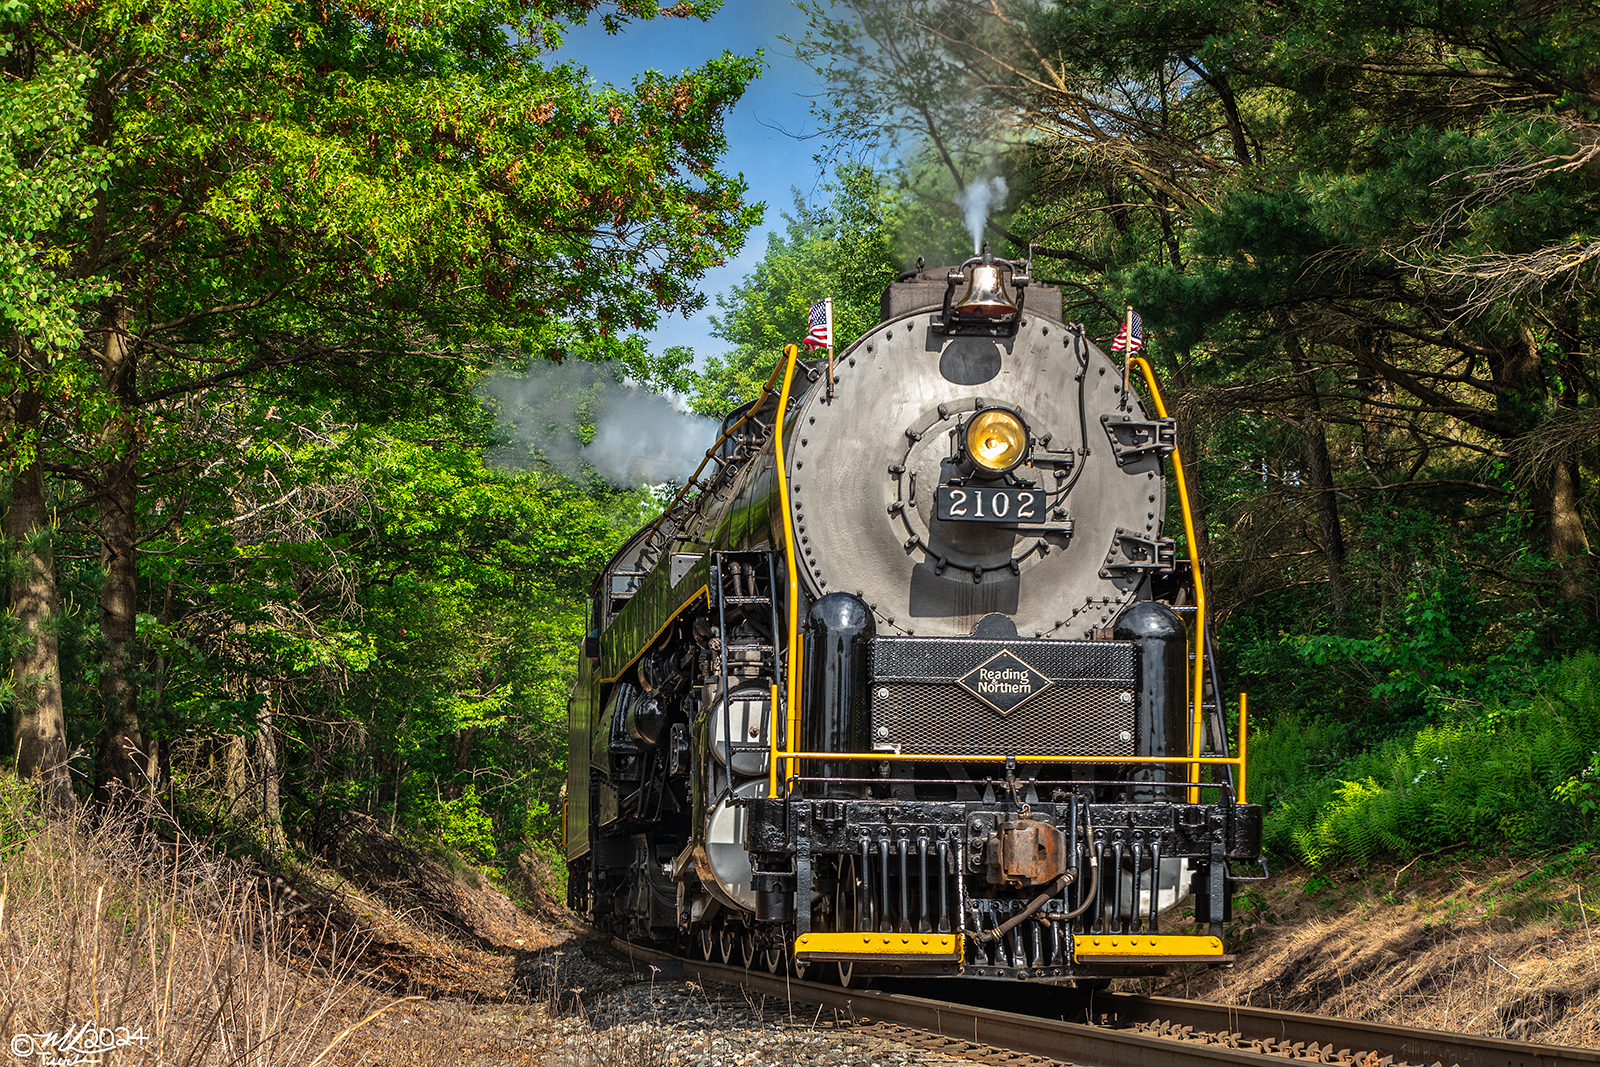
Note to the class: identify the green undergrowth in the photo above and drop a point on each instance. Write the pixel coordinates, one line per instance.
(1518, 775)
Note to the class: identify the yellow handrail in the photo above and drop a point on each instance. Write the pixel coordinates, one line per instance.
(1244, 740)
(792, 696)
(1197, 716)
(772, 756)
(991, 757)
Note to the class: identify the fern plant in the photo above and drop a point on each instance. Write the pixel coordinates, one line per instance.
(1496, 778)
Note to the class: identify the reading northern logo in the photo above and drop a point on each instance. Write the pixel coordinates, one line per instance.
(1004, 683)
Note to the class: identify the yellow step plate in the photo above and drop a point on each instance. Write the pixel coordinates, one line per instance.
(1140, 948)
(869, 948)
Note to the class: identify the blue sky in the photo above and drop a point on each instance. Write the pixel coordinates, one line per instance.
(762, 131)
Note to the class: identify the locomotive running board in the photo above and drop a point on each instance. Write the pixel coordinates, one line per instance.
(861, 947)
(1147, 948)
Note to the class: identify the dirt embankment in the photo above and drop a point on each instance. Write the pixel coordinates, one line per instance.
(188, 956)
(436, 945)
(422, 925)
(1504, 947)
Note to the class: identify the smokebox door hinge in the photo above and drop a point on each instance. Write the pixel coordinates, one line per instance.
(1132, 553)
(1132, 439)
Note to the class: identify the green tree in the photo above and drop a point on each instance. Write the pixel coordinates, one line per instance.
(49, 177)
(1423, 202)
(366, 615)
(333, 201)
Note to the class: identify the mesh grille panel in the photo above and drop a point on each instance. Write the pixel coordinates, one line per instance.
(917, 706)
(948, 658)
(1062, 721)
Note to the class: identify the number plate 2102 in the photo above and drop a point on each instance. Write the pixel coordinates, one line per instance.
(975, 503)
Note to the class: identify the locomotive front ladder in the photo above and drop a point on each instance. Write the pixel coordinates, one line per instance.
(742, 584)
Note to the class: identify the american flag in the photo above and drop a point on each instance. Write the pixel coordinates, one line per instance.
(1121, 344)
(820, 332)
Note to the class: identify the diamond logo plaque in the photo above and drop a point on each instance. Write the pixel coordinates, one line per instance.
(1004, 683)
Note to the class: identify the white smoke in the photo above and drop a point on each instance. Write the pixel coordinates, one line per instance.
(639, 436)
(975, 201)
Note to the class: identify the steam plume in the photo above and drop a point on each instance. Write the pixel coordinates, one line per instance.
(976, 200)
(639, 436)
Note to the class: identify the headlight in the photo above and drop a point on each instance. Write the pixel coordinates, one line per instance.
(996, 440)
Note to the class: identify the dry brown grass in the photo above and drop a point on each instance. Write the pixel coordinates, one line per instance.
(198, 960)
(184, 956)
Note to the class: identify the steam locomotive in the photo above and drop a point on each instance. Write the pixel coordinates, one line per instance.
(909, 679)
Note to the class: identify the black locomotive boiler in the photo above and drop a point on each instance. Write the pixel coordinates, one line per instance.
(909, 678)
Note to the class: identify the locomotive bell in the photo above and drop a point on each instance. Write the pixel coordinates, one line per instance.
(987, 292)
(992, 291)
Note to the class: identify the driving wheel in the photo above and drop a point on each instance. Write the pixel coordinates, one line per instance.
(848, 915)
(747, 948)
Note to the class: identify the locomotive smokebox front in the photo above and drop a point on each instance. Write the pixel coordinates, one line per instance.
(968, 462)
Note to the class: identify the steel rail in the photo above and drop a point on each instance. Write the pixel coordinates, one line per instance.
(1103, 1046)
(1090, 1046)
(1401, 1042)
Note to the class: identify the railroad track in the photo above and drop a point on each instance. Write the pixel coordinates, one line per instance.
(1126, 1031)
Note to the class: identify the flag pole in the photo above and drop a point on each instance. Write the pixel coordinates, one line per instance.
(1127, 353)
(830, 346)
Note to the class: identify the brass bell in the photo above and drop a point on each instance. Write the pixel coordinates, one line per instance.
(987, 292)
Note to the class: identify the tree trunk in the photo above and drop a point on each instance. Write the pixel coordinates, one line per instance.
(1558, 523)
(1552, 485)
(238, 780)
(1319, 470)
(122, 768)
(1376, 454)
(252, 780)
(267, 745)
(1567, 539)
(40, 729)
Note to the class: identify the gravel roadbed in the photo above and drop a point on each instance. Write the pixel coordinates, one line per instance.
(608, 1012)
